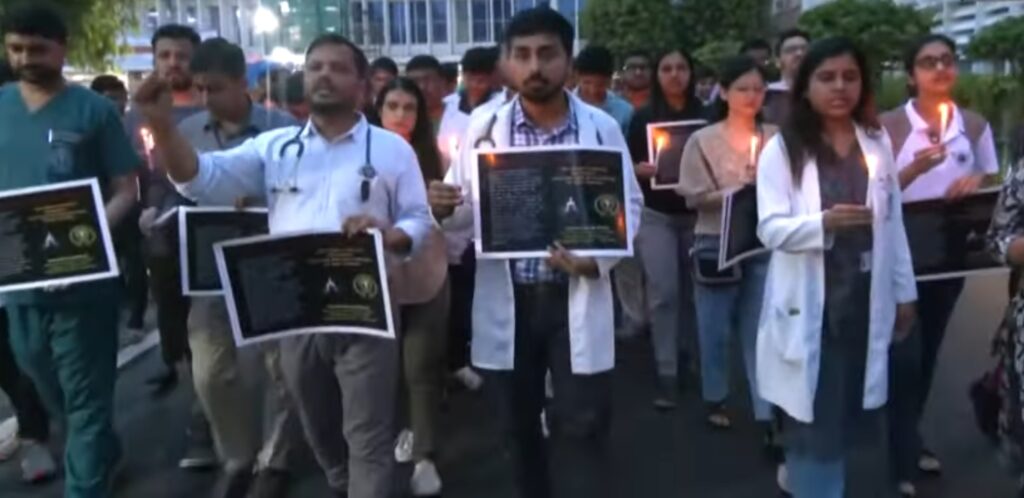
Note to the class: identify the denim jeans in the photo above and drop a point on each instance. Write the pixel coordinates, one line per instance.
(812, 478)
(725, 310)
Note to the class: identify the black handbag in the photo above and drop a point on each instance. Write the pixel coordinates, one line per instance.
(704, 260)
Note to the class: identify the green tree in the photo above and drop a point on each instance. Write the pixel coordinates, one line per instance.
(95, 27)
(626, 25)
(880, 27)
(713, 53)
(1002, 41)
(702, 22)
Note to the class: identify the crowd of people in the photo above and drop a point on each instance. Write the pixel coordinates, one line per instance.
(838, 340)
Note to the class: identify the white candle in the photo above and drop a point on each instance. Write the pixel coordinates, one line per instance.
(754, 142)
(659, 143)
(147, 145)
(943, 120)
(872, 165)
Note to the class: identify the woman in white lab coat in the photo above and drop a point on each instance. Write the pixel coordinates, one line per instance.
(840, 280)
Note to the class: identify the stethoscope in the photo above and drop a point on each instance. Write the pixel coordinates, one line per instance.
(367, 171)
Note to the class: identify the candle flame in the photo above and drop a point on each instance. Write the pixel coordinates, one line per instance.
(872, 164)
(943, 118)
(147, 139)
(754, 142)
(659, 142)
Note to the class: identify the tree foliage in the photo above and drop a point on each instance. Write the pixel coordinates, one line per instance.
(1002, 41)
(95, 27)
(880, 27)
(652, 25)
(626, 25)
(713, 53)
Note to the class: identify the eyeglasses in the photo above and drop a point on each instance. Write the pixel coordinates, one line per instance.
(636, 68)
(931, 62)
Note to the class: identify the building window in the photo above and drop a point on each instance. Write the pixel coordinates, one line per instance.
(396, 16)
(480, 20)
(528, 4)
(439, 20)
(375, 21)
(501, 11)
(357, 23)
(461, 21)
(568, 9)
(418, 16)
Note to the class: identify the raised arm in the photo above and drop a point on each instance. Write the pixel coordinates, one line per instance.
(153, 100)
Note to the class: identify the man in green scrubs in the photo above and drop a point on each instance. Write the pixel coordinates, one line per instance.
(66, 338)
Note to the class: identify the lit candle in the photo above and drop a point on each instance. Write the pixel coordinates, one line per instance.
(147, 145)
(943, 120)
(754, 142)
(659, 143)
(872, 164)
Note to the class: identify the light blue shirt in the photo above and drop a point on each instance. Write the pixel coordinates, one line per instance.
(328, 178)
(618, 108)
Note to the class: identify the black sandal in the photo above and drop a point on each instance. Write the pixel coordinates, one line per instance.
(717, 416)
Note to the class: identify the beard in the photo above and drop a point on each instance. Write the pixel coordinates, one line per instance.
(180, 83)
(543, 94)
(332, 108)
(38, 75)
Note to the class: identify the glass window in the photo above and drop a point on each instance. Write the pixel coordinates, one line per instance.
(418, 16)
(461, 21)
(568, 9)
(501, 10)
(480, 19)
(528, 4)
(357, 23)
(396, 16)
(375, 20)
(439, 20)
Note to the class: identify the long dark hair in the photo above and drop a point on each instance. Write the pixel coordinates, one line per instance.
(731, 70)
(801, 133)
(423, 140)
(910, 56)
(659, 105)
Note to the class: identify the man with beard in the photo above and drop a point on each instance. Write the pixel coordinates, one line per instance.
(342, 385)
(531, 316)
(66, 337)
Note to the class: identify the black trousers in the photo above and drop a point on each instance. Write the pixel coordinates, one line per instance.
(128, 241)
(460, 325)
(579, 416)
(33, 421)
(912, 365)
(171, 307)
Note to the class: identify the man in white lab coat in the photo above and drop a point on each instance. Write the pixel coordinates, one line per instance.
(535, 315)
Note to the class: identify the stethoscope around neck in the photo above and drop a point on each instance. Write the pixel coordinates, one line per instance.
(291, 186)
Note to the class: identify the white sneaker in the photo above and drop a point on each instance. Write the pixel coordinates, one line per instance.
(544, 430)
(403, 446)
(469, 378)
(782, 479)
(907, 489)
(425, 480)
(36, 462)
(9, 447)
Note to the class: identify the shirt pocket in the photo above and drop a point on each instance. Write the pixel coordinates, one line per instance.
(65, 155)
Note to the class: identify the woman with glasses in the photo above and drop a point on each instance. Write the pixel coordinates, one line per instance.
(840, 285)
(943, 152)
(425, 296)
(666, 229)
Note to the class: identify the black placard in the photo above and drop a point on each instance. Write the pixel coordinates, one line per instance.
(278, 286)
(947, 239)
(54, 235)
(200, 228)
(531, 198)
(739, 239)
(672, 137)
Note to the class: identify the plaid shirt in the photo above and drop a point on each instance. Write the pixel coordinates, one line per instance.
(527, 134)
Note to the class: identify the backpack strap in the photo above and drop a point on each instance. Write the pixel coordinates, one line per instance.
(898, 125)
(974, 125)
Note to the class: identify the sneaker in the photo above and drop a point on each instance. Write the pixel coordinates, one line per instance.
(544, 430)
(37, 464)
(782, 479)
(198, 456)
(907, 489)
(929, 463)
(425, 480)
(163, 383)
(403, 446)
(666, 397)
(271, 483)
(469, 378)
(233, 484)
(9, 447)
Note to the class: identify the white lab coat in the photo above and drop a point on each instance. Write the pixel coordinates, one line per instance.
(790, 224)
(591, 318)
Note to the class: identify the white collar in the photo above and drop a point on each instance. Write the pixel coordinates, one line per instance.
(917, 123)
(310, 131)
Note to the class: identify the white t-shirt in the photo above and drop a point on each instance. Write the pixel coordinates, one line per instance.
(963, 158)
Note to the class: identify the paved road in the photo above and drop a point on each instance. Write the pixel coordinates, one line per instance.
(657, 455)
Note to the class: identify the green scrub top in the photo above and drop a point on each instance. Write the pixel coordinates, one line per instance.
(76, 135)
